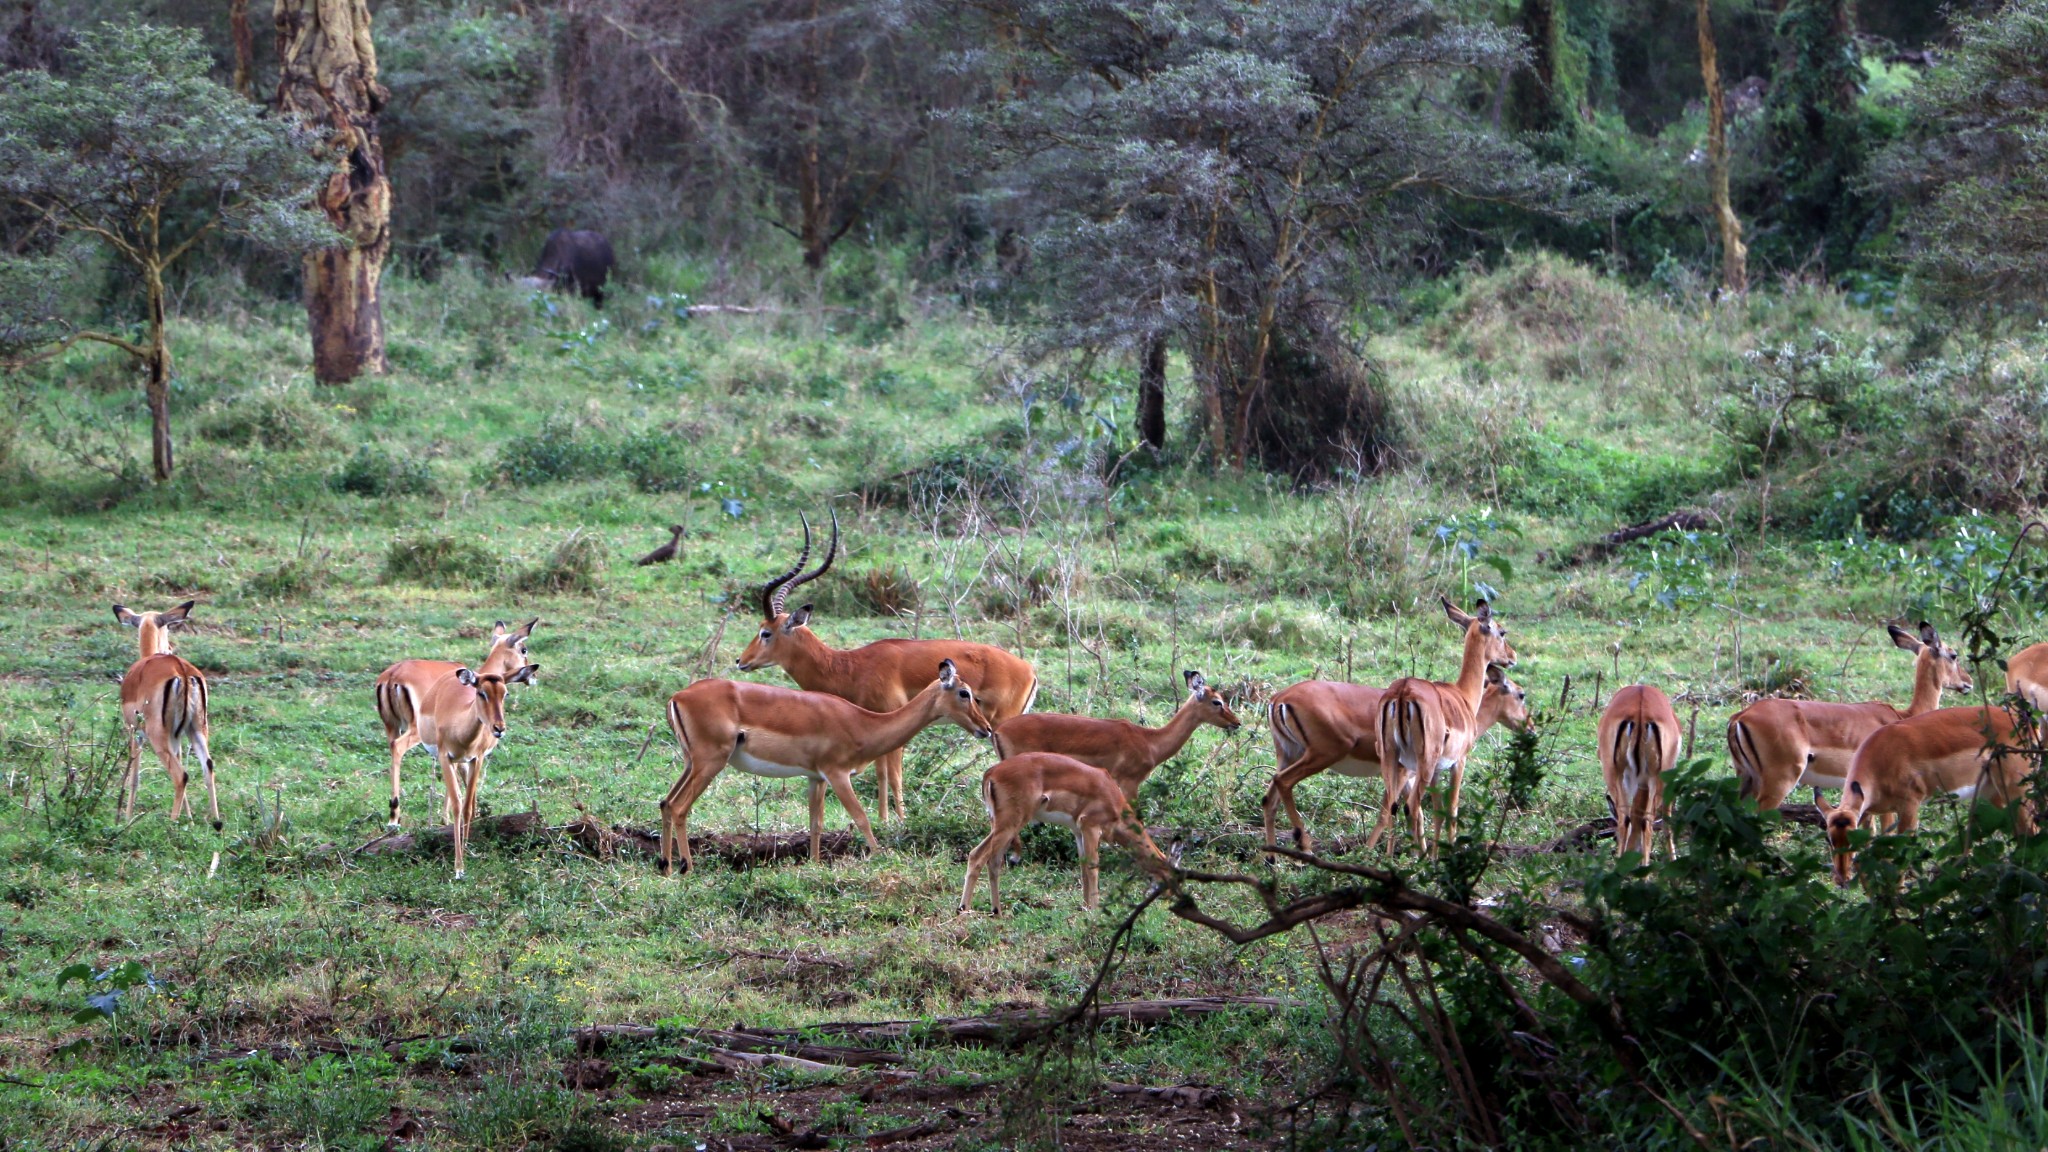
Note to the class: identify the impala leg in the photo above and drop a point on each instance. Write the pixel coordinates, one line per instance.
(455, 824)
(400, 744)
(1457, 791)
(167, 755)
(817, 797)
(130, 778)
(450, 808)
(842, 787)
(1418, 797)
(202, 746)
(1397, 784)
(473, 773)
(675, 809)
(1090, 839)
(890, 769)
(1280, 794)
(987, 854)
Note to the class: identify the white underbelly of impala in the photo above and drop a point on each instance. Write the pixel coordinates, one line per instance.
(746, 761)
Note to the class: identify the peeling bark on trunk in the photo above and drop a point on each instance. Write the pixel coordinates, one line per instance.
(1152, 395)
(1734, 256)
(245, 47)
(157, 389)
(327, 75)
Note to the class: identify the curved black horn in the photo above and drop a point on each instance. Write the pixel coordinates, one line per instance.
(831, 550)
(777, 589)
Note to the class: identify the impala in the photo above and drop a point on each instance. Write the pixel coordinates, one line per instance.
(1638, 744)
(2026, 676)
(1779, 745)
(163, 701)
(780, 733)
(1048, 788)
(1333, 726)
(1427, 727)
(461, 718)
(1967, 752)
(880, 676)
(402, 687)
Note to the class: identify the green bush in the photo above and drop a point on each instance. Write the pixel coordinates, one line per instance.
(558, 451)
(375, 471)
(575, 565)
(337, 1103)
(280, 419)
(294, 579)
(657, 460)
(438, 561)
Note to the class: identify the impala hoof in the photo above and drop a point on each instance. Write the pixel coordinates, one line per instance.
(458, 874)
(216, 825)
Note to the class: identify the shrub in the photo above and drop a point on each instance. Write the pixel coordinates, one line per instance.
(278, 418)
(376, 471)
(1275, 626)
(558, 451)
(656, 460)
(438, 561)
(575, 565)
(291, 580)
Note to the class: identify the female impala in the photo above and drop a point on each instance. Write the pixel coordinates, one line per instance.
(1968, 752)
(1779, 745)
(1427, 727)
(163, 701)
(1128, 752)
(1638, 744)
(880, 676)
(2026, 676)
(779, 733)
(402, 687)
(1047, 788)
(1333, 726)
(461, 718)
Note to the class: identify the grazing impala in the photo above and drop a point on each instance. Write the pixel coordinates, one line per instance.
(2026, 676)
(780, 733)
(403, 687)
(1427, 727)
(1048, 788)
(1778, 745)
(880, 676)
(1333, 726)
(460, 719)
(1968, 752)
(1638, 744)
(163, 702)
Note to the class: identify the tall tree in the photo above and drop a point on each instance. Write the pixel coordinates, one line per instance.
(1535, 95)
(1816, 133)
(327, 78)
(135, 147)
(1227, 173)
(1974, 168)
(1734, 255)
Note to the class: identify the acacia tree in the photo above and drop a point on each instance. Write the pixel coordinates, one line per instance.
(136, 148)
(1734, 254)
(327, 78)
(1232, 174)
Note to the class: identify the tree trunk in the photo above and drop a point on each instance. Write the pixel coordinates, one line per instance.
(1734, 256)
(157, 389)
(327, 74)
(245, 48)
(1152, 395)
(1534, 88)
(815, 227)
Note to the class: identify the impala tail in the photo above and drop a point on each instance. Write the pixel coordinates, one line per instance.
(1748, 764)
(1290, 743)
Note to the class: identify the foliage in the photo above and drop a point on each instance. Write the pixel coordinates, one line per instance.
(1974, 165)
(439, 561)
(1818, 139)
(574, 565)
(376, 471)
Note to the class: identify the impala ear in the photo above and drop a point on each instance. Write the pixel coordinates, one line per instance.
(1483, 610)
(175, 618)
(526, 629)
(1195, 682)
(1927, 635)
(525, 675)
(1903, 638)
(466, 676)
(948, 675)
(123, 615)
(798, 618)
(498, 630)
(1494, 675)
(1456, 614)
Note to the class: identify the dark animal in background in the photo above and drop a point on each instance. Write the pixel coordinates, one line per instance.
(573, 260)
(666, 552)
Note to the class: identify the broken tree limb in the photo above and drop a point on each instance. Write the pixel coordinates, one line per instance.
(736, 850)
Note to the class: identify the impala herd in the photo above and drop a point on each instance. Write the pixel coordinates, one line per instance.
(853, 707)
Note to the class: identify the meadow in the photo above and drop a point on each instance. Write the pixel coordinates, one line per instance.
(287, 988)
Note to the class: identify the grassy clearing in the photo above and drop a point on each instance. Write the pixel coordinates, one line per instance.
(525, 449)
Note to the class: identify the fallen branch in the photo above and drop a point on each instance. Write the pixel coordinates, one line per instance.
(1683, 520)
(737, 850)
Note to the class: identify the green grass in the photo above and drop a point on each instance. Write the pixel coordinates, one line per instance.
(519, 454)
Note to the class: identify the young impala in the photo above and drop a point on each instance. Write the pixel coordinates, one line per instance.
(163, 702)
(460, 719)
(1973, 753)
(1638, 744)
(402, 687)
(880, 676)
(1048, 788)
(1333, 726)
(1779, 745)
(780, 733)
(1427, 727)
(1128, 752)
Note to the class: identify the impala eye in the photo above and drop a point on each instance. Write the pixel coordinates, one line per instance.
(765, 634)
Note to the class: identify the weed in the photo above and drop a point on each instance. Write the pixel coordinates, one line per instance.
(376, 471)
(575, 565)
(437, 561)
(278, 418)
(339, 1102)
(294, 579)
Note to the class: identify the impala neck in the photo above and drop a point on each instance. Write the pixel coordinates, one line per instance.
(153, 638)
(1491, 705)
(892, 730)
(1926, 686)
(1471, 683)
(1162, 742)
(813, 664)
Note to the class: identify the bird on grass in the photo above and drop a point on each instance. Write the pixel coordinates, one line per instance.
(666, 552)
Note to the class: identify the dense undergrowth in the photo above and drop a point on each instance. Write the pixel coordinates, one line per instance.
(525, 448)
